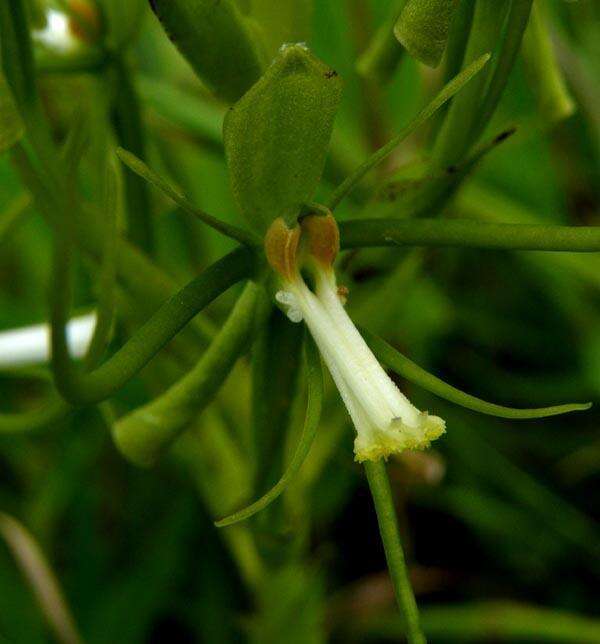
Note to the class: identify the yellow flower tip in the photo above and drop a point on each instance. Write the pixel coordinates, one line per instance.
(321, 236)
(397, 438)
(281, 248)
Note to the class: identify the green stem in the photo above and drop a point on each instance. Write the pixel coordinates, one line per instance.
(543, 72)
(455, 136)
(130, 134)
(383, 54)
(89, 388)
(518, 16)
(146, 432)
(146, 282)
(17, 56)
(464, 233)
(107, 279)
(390, 536)
(31, 421)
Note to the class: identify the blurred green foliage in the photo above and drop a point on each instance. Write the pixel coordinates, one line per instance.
(499, 517)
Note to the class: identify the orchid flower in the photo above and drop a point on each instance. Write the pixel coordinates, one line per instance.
(386, 422)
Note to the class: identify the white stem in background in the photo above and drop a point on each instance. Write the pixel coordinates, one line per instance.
(31, 345)
(56, 35)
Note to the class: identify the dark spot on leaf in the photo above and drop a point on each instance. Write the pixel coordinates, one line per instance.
(331, 73)
(505, 135)
(365, 274)
(451, 169)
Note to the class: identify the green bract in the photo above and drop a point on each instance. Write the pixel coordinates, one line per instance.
(423, 28)
(216, 40)
(276, 137)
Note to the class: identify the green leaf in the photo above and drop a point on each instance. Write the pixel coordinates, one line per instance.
(383, 54)
(11, 125)
(423, 28)
(216, 40)
(446, 93)
(311, 423)
(543, 71)
(140, 168)
(411, 371)
(276, 137)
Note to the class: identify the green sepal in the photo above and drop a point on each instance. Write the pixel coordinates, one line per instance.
(408, 369)
(11, 125)
(423, 28)
(218, 42)
(276, 137)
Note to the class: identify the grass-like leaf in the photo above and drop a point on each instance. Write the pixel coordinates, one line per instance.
(40, 578)
(447, 92)
(136, 165)
(417, 375)
(311, 423)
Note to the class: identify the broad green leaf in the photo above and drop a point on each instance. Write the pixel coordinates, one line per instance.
(11, 125)
(217, 40)
(311, 423)
(423, 28)
(276, 137)
(412, 372)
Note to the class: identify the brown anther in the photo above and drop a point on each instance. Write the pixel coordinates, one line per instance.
(281, 248)
(322, 238)
(85, 23)
(342, 292)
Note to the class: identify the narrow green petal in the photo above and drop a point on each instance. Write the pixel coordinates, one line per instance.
(417, 375)
(311, 423)
(445, 94)
(136, 165)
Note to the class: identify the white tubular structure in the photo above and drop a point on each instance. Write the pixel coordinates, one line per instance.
(31, 345)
